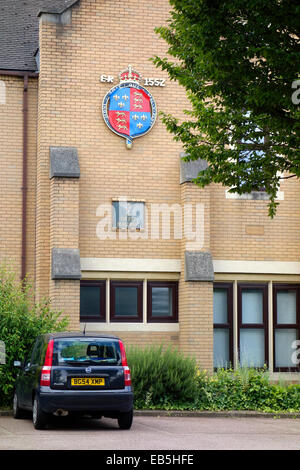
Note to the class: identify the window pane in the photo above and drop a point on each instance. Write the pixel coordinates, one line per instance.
(252, 306)
(120, 214)
(128, 214)
(283, 347)
(162, 302)
(90, 301)
(135, 215)
(220, 306)
(221, 347)
(115, 214)
(252, 347)
(286, 306)
(104, 352)
(126, 301)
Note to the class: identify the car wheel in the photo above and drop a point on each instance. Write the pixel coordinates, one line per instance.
(125, 420)
(39, 418)
(18, 413)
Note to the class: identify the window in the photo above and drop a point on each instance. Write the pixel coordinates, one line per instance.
(86, 351)
(286, 324)
(128, 215)
(251, 142)
(223, 331)
(92, 301)
(253, 325)
(162, 301)
(37, 351)
(126, 301)
(249, 318)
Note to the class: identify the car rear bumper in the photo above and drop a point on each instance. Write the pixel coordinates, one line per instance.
(88, 400)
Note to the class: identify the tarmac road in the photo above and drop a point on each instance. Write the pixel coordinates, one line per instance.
(154, 433)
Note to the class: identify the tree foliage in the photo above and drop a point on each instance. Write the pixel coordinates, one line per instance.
(238, 61)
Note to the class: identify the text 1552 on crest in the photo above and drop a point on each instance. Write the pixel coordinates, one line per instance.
(147, 81)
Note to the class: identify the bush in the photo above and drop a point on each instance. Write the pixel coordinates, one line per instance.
(162, 378)
(245, 389)
(21, 321)
(165, 379)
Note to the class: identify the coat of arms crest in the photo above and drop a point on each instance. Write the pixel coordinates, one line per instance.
(129, 109)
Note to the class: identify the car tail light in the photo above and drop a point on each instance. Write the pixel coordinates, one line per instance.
(127, 376)
(46, 369)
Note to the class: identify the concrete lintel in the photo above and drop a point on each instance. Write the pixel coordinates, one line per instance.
(56, 18)
(64, 162)
(199, 266)
(190, 170)
(62, 15)
(65, 263)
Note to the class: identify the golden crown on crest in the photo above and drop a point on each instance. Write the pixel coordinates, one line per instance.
(129, 75)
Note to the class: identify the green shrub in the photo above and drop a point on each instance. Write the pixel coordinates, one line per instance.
(245, 389)
(21, 321)
(162, 377)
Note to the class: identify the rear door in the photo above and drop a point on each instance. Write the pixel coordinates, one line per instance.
(87, 363)
(30, 373)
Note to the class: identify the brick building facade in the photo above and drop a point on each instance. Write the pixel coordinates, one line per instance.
(201, 269)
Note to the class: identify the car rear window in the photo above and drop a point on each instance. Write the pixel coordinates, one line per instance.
(81, 351)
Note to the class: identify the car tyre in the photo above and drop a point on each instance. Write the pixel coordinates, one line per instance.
(18, 413)
(39, 417)
(125, 420)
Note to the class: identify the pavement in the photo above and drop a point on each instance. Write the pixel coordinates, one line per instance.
(157, 431)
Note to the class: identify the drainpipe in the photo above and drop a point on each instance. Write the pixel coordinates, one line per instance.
(24, 177)
(25, 76)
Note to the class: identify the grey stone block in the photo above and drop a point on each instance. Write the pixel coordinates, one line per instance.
(56, 18)
(64, 162)
(65, 263)
(59, 13)
(189, 170)
(199, 266)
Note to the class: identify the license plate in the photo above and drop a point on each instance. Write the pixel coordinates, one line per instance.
(87, 381)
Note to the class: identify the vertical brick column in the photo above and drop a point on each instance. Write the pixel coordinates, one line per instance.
(196, 282)
(64, 233)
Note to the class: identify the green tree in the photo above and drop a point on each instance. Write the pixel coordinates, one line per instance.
(239, 62)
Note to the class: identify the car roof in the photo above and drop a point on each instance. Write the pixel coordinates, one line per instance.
(76, 334)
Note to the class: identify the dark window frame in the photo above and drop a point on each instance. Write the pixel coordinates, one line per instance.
(229, 325)
(296, 326)
(102, 286)
(264, 325)
(126, 319)
(170, 284)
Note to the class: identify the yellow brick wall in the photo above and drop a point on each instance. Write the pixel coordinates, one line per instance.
(65, 299)
(71, 95)
(242, 230)
(195, 297)
(142, 339)
(64, 233)
(31, 176)
(11, 158)
(64, 213)
(196, 321)
(103, 38)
